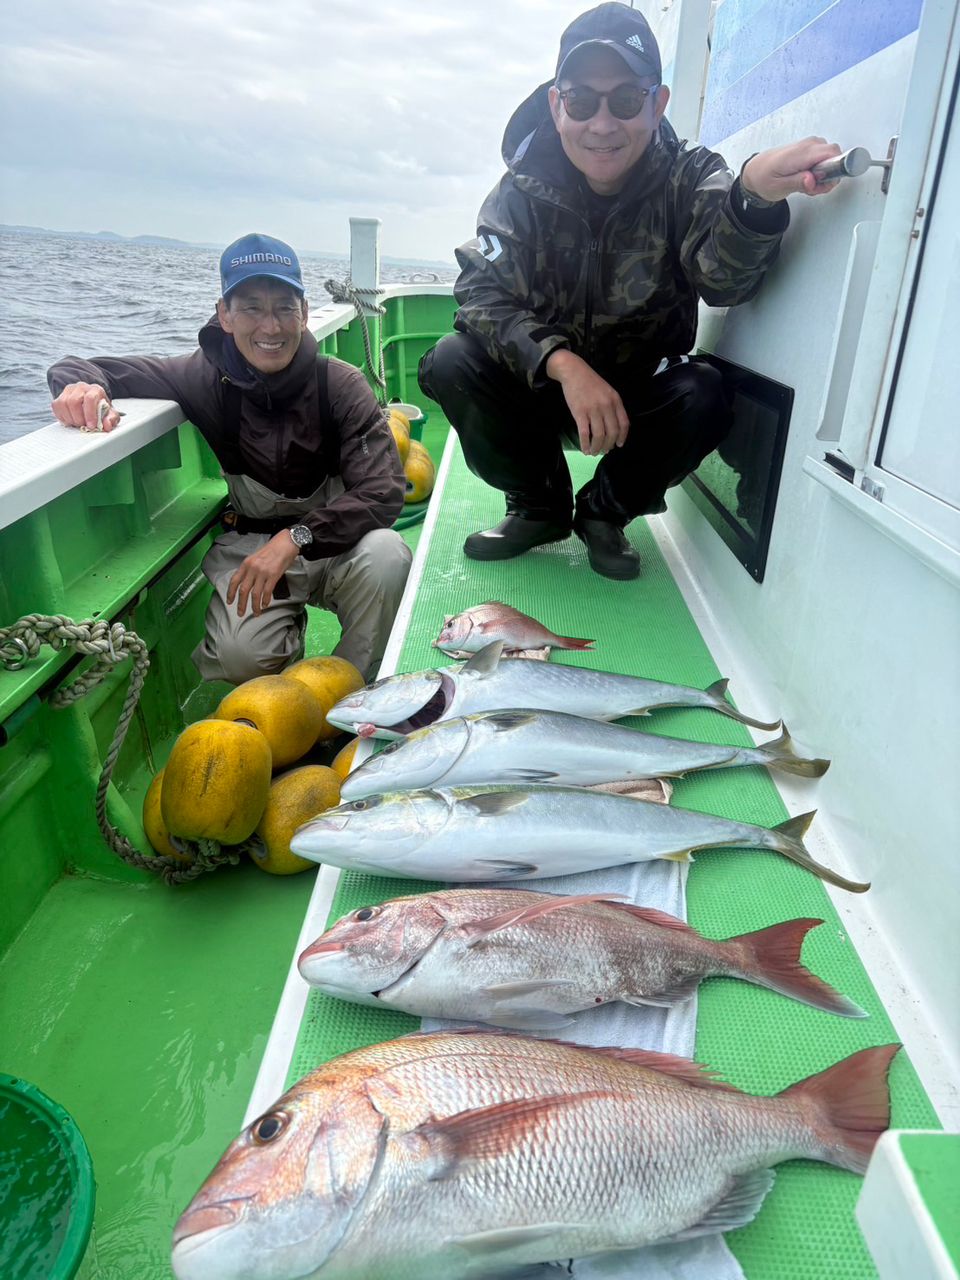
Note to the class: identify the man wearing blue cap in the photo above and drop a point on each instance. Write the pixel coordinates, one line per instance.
(313, 475)
(578, 298)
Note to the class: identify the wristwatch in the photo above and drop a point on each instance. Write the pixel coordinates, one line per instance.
(301, 535)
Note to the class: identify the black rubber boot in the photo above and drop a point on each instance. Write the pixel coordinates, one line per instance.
(512, 537)
(608, 551)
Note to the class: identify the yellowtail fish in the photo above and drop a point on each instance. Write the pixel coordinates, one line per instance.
(526, 833)
(475, 628)
(450, 1156)
(399, 704)
(551, 747)
(520, 959)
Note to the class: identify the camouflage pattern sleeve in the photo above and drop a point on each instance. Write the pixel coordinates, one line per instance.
(724, 259)
(496, 284)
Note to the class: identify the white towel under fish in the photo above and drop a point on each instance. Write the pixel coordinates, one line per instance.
(659, 884)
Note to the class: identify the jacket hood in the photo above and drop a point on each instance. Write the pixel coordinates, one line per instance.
(266, 388)
(531, 146)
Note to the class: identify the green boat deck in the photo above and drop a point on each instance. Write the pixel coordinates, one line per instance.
(754, 1038)
(144, 1010)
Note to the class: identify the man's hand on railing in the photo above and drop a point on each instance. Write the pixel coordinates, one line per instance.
(87, 406)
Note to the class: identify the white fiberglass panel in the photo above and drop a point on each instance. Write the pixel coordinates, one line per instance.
(922, 444)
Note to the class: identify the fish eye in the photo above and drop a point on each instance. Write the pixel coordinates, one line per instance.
(268, 1127)
(394, 746)
(358, 805)
(366, 913)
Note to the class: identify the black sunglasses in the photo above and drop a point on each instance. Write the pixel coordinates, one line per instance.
(624, 102)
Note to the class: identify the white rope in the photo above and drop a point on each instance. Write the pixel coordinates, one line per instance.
(364, 300)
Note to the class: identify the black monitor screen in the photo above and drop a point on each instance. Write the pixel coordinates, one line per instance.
(736, 486)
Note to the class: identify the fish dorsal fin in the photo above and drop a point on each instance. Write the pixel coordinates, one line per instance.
(739, 1205)
(667, 1064)
(652, 916)
(719, 687)
(485, 1133)
(480, 930)
(484, 662)
(492, 803)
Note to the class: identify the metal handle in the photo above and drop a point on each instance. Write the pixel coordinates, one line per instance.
(852, 164)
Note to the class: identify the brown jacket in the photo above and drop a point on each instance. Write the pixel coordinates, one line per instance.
(282, 442)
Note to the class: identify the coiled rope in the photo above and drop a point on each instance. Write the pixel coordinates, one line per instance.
(364, 301)
(112, 643)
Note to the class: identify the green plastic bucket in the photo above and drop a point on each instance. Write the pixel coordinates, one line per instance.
(47, 1191)
(418, 419)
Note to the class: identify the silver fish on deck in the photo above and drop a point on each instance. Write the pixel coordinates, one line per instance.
(550, 747)
(515, 958)
(397, 705)
(472, 630)
(522, 833)
(450, 1156)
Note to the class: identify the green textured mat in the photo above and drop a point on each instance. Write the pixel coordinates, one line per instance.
(756, 1039)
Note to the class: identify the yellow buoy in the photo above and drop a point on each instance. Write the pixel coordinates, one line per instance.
(400, 418)
(154, 825)
(342, 762)
(216, 782)
(329, 679)
(287, 714)
(420, 473)
(294, 799)
(401, 435)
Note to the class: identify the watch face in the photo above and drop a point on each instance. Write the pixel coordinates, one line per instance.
(301, 535)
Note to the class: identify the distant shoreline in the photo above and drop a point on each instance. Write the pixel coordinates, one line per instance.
(166, 242)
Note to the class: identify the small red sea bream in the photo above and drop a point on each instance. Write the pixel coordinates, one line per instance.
(515, 958)
(451, 1156)
(470, 631)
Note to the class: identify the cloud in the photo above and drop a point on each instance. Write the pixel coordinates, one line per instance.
(200, 120)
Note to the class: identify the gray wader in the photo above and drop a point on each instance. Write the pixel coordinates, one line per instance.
(361, 586)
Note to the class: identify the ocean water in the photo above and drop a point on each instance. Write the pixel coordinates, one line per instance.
(65, 295)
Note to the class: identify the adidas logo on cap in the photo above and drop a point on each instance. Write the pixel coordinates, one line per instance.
(636, 43)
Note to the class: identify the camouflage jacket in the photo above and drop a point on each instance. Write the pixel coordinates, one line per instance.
(537, 277)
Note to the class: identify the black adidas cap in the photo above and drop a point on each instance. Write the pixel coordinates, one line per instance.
(620, 28)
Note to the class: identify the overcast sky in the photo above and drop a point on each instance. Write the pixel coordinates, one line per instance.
(205, 120)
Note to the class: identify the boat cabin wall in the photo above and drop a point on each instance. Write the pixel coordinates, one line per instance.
(853, 632)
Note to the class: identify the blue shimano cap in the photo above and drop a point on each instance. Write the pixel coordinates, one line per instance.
(256, 255)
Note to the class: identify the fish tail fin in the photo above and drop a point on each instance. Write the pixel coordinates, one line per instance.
(847, 1106)
(771, 958)
(787, 838)
(573, 642)
(715, 699)
(780, 754)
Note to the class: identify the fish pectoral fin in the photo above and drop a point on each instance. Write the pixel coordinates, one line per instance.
(488, 1133)
(738, 1206)
(492, 803)
(486, 1242)
(504, 868)
(529, 775)
(484, 661)
(501, 720)
(508, 990)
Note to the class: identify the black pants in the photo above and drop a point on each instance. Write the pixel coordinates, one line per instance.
(513, 437)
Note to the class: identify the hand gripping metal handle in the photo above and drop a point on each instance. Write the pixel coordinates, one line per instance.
(852, 164)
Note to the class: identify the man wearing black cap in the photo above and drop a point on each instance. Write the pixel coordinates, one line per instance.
(578, 298)
(313, 475)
